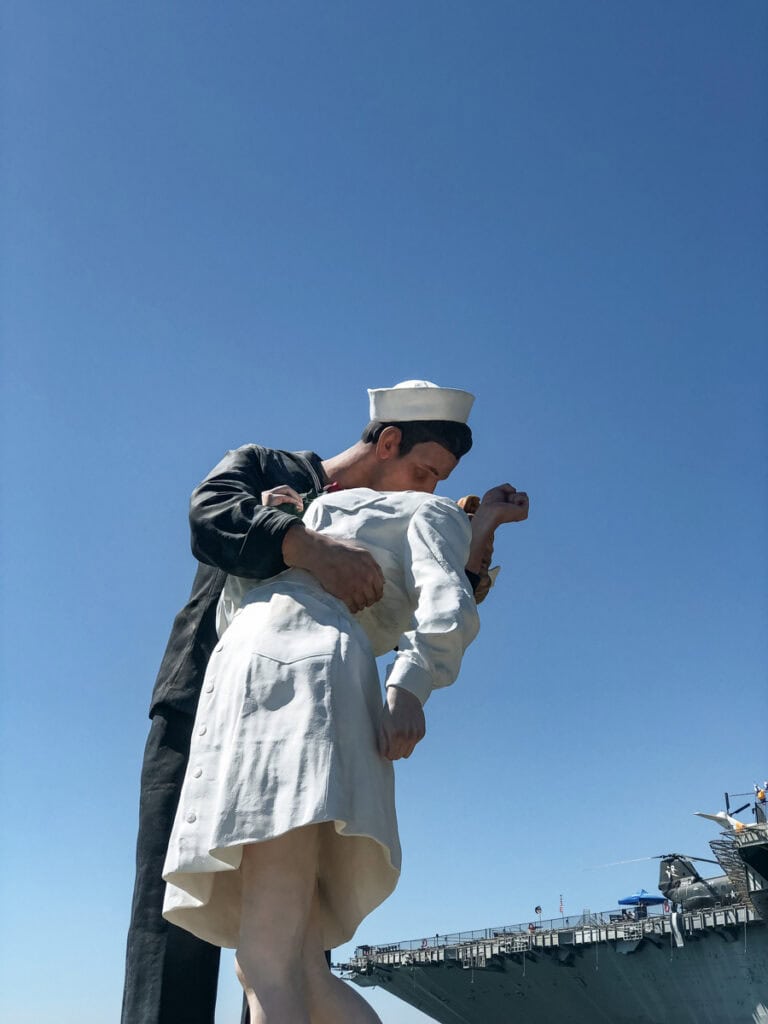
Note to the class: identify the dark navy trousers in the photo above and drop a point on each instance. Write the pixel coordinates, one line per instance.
(170, 976)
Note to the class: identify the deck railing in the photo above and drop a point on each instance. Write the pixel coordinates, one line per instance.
(585, 918)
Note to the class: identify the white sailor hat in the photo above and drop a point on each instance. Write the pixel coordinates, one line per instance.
(419, 400)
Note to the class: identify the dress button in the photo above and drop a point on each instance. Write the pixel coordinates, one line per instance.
(191, 817)
(202, 730)
(197, 773)
(209, 687)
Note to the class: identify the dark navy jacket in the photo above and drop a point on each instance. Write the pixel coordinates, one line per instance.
(232, 532)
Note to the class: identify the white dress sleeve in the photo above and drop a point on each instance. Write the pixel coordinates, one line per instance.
(230, 600)
(445, 619)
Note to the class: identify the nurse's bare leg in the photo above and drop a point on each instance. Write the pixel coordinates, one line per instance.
(330, 999)
(279, 878)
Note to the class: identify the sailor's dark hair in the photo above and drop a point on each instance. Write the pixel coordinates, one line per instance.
(456, 437)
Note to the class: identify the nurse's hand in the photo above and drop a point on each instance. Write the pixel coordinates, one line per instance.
(345, 570)
(282, 495)
(402, 723)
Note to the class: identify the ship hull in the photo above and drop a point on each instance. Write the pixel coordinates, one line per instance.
(717, 977)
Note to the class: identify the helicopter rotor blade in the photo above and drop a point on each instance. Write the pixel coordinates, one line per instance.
(615, 863)
(688, 856)
(706, 860)
(656, 856)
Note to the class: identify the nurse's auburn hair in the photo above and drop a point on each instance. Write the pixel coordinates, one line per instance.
(456, 437)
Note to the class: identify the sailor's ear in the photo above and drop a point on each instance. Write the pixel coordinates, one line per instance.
(388, 444)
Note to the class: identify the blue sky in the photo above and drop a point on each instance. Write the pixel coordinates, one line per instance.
(221, 223)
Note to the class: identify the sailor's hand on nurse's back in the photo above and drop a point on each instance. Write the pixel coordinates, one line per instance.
(346, 570)
(402, 723)
(504, 504)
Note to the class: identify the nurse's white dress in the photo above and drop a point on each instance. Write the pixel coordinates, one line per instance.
(288, 720)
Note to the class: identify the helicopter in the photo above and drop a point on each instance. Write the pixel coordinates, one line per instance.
(683, 887)
(679, 880)
(681, 883)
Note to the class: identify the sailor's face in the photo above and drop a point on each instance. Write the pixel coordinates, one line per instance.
(425, 465)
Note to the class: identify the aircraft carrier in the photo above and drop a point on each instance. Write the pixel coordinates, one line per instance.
(697, 954)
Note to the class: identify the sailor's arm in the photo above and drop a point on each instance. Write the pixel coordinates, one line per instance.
(346, 570)
(236, 526)
(230, 527)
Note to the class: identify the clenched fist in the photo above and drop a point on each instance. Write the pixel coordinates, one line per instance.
(504, 504)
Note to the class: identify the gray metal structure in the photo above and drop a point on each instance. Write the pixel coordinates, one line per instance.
(674, 964)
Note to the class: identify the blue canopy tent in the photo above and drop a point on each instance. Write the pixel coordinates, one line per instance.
(641, 898)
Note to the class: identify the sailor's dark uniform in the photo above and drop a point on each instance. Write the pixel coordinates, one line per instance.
(171, 977)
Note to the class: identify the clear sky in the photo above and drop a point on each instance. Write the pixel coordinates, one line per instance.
(221, 223)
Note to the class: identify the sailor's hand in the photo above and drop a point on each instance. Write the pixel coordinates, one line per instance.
(402, 723)
(346, 570)
(503, 504)
(282, 495)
